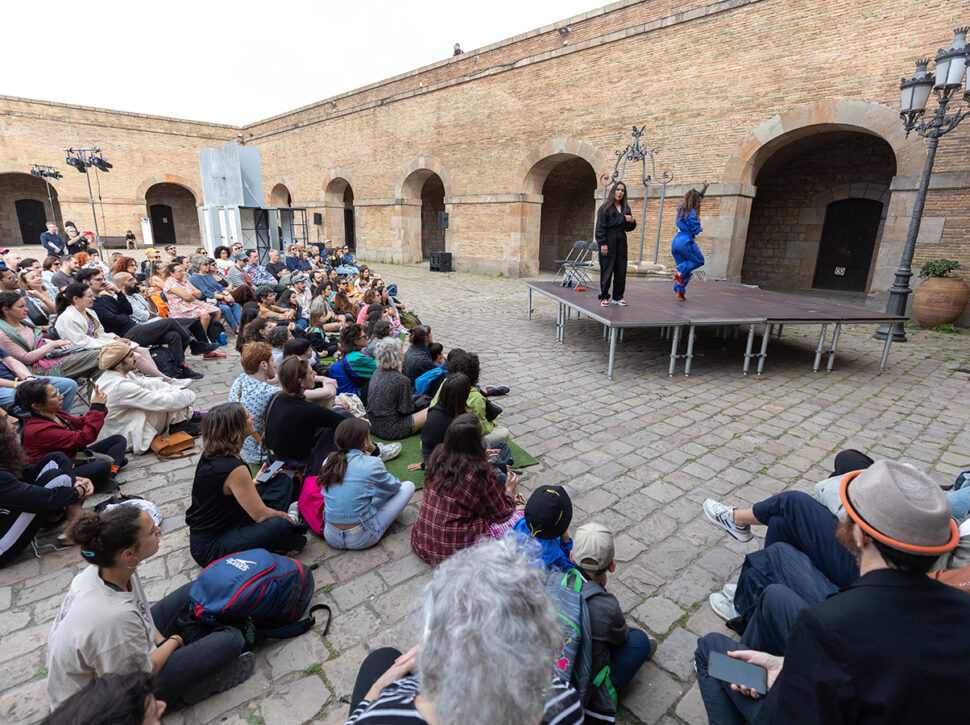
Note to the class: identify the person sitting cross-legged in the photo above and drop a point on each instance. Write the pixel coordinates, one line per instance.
(139, 408)
(889, 647)
(390, 395)
(362, 498)
(231, 511)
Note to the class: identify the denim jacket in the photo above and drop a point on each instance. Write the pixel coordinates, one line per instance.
(366, 485)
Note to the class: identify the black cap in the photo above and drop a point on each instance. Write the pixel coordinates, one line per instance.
(548, 512)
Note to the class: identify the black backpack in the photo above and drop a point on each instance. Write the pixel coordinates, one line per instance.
(165, 362)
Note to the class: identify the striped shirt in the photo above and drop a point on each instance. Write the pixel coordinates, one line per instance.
(396, 705)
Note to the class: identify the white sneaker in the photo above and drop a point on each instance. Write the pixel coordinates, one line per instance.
(722, 606)
(182, 382)
(387, 451)
(294, 512)
(729, 591)
(723, 516)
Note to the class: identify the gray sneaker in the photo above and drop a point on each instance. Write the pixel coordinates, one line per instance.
(722, 606)
(723, 516)
(235, 673)
(388, 451)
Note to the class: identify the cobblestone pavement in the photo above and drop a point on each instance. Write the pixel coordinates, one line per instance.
(637, 454)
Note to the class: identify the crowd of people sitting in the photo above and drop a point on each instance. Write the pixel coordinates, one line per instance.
(331, 360)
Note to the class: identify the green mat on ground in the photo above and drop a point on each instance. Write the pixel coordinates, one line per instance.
(411, 453)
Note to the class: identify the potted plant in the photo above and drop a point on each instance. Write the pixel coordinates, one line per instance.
(939, 299)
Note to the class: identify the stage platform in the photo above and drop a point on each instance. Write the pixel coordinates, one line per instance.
(722, 305)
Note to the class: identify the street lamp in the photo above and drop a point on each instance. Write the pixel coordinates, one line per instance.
(45, 172)
(951, 69)
(83, 159)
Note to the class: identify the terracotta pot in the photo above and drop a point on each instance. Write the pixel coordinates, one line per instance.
(939, 300)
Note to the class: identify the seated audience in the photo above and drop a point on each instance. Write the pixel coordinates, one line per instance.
(48, 428)
(253, 391)
(548, 514)
(463, 499)
(236, 274)
(485, 605)
(353, 370)
(362, 498)
(139, 408)
(65, 275)
(23, 342)
(390, 396)
(451, 404)
(266, 297)
(13, 373)
(377, 331)
(619, 651)
(428, 383)
(288, 303)
(326, 388)
(105, 625)
(186, 301)
(40, 305)
(79, 324)
(418, 359)
(274, 266)
(468, 364)
(257, 272)
(230, 510)
(204, 279)
(114, 699)
(33, 495)
(223, 260)
(839, 665)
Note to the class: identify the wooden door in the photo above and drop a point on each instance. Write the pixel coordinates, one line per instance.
(163, 226)
(32, 219)
(848, 239)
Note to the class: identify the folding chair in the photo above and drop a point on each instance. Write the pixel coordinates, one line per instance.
(579, 268)
(578, 249)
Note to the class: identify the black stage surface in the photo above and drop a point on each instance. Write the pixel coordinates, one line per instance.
(709, 304)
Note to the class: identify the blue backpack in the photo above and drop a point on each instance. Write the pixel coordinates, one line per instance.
(263, 594)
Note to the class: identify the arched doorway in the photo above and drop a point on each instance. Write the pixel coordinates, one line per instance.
(25, 208)
(422, 199)
(432, 204)
(817, 218)
(173, 214)
(280, 197)
(568, 208)
(340, 224)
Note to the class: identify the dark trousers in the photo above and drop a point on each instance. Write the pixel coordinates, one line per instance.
(767, 632)
(630, 658)
(613, 267)
(29, 523)
(374, 665)
(798, 519)
(207, 650)
(164, 331)
(99, 471)
(273, 534)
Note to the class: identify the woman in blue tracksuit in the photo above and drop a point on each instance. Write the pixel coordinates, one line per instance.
(613, 221)
(686, 253)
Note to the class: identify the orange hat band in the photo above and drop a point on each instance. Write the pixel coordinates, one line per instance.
(888, 540)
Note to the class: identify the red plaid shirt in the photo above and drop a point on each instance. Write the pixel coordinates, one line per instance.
(453, 520)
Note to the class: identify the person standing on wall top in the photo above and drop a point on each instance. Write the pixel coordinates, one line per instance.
(684, 249)
(613, 221)
(458, 50)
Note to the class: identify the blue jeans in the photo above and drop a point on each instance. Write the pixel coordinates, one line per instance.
(65, 386)
(301, 323)
(959, 502)
(630, 658)
(688, 257)
(369, 532)
(231, 314)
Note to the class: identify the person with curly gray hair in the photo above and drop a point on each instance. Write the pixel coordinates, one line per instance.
(487, 653)
(390, 395)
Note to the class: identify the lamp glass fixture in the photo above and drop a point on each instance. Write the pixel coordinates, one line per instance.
(951, 64)
(915, 91)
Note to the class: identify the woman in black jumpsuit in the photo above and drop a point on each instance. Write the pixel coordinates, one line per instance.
(613, 221)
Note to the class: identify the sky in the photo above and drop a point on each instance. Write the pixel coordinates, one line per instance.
(243, 61)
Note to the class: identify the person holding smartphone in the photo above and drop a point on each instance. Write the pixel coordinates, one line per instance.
(613, 221)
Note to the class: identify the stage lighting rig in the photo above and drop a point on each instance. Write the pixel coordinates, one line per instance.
(45, 172)
(82, 159)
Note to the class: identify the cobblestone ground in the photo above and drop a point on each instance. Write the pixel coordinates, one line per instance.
(637, 454)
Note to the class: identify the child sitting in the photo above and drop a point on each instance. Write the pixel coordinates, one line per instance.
(621, 649)
(428, 382)
(547, 517)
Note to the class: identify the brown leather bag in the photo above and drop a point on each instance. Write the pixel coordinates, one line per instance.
(174, 445)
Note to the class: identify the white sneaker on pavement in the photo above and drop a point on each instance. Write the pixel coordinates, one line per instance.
(723, 516)
(387, 451)
(729, 591)
(722, 607)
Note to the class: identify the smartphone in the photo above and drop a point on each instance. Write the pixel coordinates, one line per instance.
(270, 472)
(738, 672)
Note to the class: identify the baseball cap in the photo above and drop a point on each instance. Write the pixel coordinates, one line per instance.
(900, 507)
(239, 255)
(593, 547)
(548, 512)
(297, 278)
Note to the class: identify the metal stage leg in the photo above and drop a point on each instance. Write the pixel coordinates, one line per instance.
(885, 352)
(747, 352)
(609, 370)
(621, 334)
(605, 328)
(690, 351)
(780, 328)
(530, 303)
(819, 348)
(673, 351)
(764, 348)
(835, 344)
(560, 322)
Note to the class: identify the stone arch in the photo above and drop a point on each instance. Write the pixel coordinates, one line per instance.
(171, 209)
(416, 172)
(537, 164)
(730, 229)
(339, 214)
(280, 196)
(420, 195)
(140, 194)
(25, 206)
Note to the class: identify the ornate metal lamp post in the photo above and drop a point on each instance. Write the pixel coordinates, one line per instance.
(951, 69)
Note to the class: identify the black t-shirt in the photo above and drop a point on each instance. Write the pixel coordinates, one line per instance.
(211, 509)
(274, 268)
(433, 433)
(292, 425)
